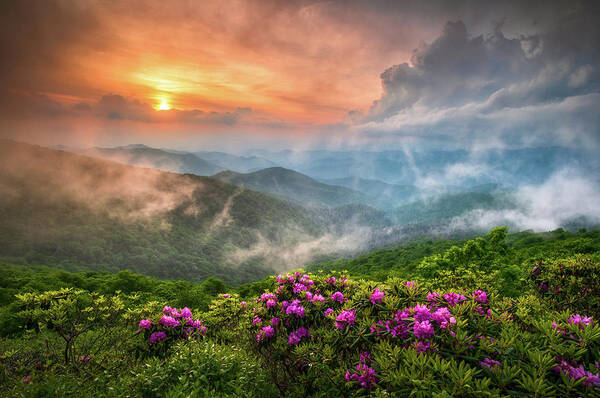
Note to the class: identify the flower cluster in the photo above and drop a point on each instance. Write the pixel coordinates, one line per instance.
(265, 333)
(337, 296)
(419, 322)
(345, 318)
(295, 306)
(174, 323)
(577, 372)
(480, 296)
(454, 298)
(575, 320)
(377, 296)
(365, 375)
(296, 337)
(491, 364)
(582, 321)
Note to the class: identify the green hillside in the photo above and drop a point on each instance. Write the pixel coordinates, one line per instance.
(440, 208)
(294, 186)
(78, 213)
(380, 194)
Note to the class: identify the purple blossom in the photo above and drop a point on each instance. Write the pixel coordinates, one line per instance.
(582, 321)
(377, 296)
(84, 358)
(318, 298)
(577, 372)
(409, 284)
(443, 317)
(328, 311)
(267, 296)
(275, 321)
(243, 304)
(330, 280)
(423, 330)
(296, 337)
(186, 313)
(306, 280)
(454, 298)
(402, 315)
(271, 303)
(296, 309)
(422, 313)
(195, 323)
(365, 375)
(169, 322)
(145, 324)
(480, 296)
(346, 317)
(157, 336)
(265, 333)
(490, 364)
(433, 297)
(543, 286)
(337, 296)
(256, 321)
(299, 287)
(167, 310)
(422, 346)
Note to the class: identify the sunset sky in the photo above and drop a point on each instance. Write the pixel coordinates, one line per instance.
(368, 74)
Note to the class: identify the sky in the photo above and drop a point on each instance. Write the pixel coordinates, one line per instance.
(300, 74)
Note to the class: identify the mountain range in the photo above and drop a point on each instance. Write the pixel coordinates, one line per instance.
(79, 212)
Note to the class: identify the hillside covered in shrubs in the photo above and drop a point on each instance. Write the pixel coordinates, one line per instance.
(500, 315)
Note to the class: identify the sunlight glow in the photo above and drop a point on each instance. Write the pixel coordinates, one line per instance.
(163, 106)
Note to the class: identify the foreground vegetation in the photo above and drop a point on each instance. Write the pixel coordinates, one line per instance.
(499, 315)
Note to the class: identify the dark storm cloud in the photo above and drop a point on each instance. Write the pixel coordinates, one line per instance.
(518, 89)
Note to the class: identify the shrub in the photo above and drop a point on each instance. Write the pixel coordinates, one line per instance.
(569, 283)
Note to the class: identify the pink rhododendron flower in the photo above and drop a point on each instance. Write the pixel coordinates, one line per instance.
(186, 313)
(144, 324)
(346, 317)
(169, 321)
(490, 363)
(480, 296)
(377, 296)
(454, 298)
(265, 333)
(298, 335)
(423, 330)
(422, 313)
(157, 336)
(337, 296)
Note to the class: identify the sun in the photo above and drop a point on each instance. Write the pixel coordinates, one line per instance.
(163, 106)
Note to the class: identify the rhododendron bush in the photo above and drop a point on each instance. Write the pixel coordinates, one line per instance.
(331, 334)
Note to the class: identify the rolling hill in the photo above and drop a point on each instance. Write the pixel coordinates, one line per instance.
(143, 156)
(294, 186)
(380, 194)
(240, 164)
(82, 213)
